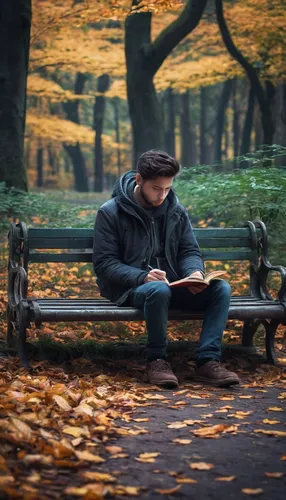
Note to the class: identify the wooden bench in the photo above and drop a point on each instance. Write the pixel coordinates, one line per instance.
(247, 243)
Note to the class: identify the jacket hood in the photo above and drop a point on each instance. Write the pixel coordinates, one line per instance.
(123, 191)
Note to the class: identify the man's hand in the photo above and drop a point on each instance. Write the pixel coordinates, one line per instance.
(194, 288)
(156, 275)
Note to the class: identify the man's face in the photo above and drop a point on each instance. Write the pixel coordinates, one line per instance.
(154, 192)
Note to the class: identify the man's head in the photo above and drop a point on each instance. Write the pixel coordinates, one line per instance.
(155, 174)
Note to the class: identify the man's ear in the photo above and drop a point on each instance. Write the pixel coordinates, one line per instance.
(138, 179)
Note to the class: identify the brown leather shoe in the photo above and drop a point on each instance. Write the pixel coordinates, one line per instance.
(159, 372)
(214, 373)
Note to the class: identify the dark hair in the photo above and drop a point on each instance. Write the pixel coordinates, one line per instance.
(156, 163)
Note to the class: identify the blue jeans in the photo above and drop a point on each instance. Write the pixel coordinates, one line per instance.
(155, 298)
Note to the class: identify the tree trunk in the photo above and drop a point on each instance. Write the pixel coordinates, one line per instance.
(98, 117)
(170, 123)
(15, 24)
(264, 96)
(188, 137)
(203, 126)
(235, 121)
(117, 133)
(257, 127)
(143, 59)
(78, 162)
(74, 151)
(144, 108)
(40, 165)
(222, 105)
(248, 122)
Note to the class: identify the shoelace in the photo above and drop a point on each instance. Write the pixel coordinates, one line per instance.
(160, 365)
(217, 366)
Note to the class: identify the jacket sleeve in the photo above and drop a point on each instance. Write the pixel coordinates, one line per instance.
(106, 261)
(189, 255)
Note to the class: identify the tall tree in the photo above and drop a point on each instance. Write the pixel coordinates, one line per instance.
(15, 24)
(170, 122)
(143, 59)
(74, 151)
(98, 117)
(222, 105)
(188, 136)
(203, 126)
(264, 94)
(248, 122)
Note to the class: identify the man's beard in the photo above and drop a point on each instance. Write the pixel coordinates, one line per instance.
(141, 192)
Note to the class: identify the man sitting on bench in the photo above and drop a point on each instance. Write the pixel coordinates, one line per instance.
(143, 240)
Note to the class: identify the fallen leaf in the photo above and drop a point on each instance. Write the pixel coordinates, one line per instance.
(185, 480)
(182, 441)
(113, 449)
(250, 491)
(275, 408)
(22, 427)
(6, 479)
(75, 431)
(99, 476)
(89, 457)
(271, 422)
(37, 459)
(225, 478)
(63, 404)
(271, 433)
(214, 430)
(170, 491)
(201, 466)
(177, 425)
(276, 475)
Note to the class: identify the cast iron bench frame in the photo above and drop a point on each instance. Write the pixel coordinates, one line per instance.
(248, 243)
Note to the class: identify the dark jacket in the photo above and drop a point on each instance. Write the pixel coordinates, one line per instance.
(123, 246)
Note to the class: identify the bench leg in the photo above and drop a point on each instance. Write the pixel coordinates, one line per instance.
(270, 329)
(11, 327)
(22, 346)
(249, 328)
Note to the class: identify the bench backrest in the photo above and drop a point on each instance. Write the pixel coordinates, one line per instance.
(75, 245)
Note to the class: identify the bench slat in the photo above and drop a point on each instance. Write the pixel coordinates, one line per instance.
(78, 243)
(246, 254)
(67, 232)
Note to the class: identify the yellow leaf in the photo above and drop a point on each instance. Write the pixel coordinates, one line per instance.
(186, 480)
(75, 431)
(170, 491)
(113, 449)
(201, 466)
(270, 422)
(99, 476)
(276, 475)
(89, 457)
(6, 479)
(37, 459)
(214, 429)
(149, 455)
(22, 427)
(177, 425)
(225, 478)
(275, 408)
(272, 432)
(252, 491)
(63, 404)
(182, 441)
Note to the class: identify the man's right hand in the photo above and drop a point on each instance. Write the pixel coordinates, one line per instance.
(156, 275)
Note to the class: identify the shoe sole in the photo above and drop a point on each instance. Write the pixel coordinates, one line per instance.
(166, 383)
(217, 383)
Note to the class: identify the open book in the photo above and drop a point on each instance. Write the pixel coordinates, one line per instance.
(197, 281)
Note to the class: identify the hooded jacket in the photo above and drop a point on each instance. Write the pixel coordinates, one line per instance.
(123, 242)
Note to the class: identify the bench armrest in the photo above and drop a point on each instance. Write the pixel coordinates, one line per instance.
(17, 285)
(262, 275)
